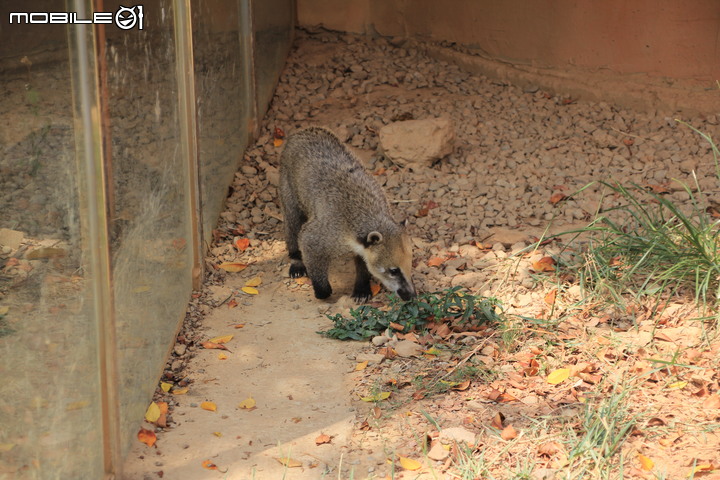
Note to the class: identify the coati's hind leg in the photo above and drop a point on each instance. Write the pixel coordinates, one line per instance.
(361, 292)
(294, 220)
(317, 258)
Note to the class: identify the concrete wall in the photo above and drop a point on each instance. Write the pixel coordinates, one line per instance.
(668, 38)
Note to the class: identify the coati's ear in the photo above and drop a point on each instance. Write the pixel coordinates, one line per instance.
(373, 238)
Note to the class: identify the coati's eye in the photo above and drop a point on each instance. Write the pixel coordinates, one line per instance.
(395, 272)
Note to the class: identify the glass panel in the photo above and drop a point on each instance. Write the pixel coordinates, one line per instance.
(50, 404)
(273, 22)
(224, 108)
(150, 235)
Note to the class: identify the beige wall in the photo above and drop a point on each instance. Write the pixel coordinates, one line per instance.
(668, 38)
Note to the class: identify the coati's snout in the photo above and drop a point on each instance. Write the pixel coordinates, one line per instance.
(389, 259)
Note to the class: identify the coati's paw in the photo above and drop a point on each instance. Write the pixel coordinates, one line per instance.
(361, 295)
(297, 271)
(322, 291)
(361, 298)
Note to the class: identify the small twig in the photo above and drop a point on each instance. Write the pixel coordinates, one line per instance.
(468, 356)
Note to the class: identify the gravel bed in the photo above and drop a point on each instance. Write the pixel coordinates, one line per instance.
(514, 149)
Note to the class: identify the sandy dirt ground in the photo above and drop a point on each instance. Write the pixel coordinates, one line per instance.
(515, 148)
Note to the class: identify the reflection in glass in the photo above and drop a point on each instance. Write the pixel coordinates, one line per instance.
(150, 222)
(50, 408)
(224, 108)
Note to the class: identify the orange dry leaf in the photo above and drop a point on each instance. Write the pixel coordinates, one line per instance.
(361, 366)
(221, 339)
(497, 421)
(374, 289)
(396, 326)
(409, 463)
(278, 133)
(233, 267)
(436, 261)
(322, 438)
(550, 297)
(211, 345)
(703, 467)
(557, 198)
(232, 303)
(209, 465)
(508, 433)
(209, 406)
(242, 244)
(549, 448)
(147, 437)
(646, 463)
(462, 386)
(545, 264)
(712, 401)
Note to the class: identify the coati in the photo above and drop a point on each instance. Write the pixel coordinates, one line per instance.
(332, 208)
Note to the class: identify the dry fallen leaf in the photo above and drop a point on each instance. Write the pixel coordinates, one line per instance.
(147, 437)
(209, 465)
(508, 433)
(211, 345)
(557, 198)
(545, 264)
(376, 397)
(289, 462)
(222, 356)
(361, 366)
(677, 385)
(247, 404)
(703, 467)
(209, 406)
(165, 386)
(253, 282)
(558, 376)
(180, 391)
(374, 288)
(436, 262)
(233, 267)
(646, 463)
(409, 463)
(250, 290)
(152, 413)
(497, 421)
(462, 386)
(221, 339)
(322, 438)
(712, 401)
(549, 448)
(550, 297)
(242, 244)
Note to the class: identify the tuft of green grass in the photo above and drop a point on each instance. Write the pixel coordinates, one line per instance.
(595, 448)
(650, 246)
(451, 305)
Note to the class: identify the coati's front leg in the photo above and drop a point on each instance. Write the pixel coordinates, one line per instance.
(317, 258)
(294, 220)
(361, 292)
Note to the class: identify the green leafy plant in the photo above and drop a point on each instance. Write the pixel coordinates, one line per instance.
(451, 305)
